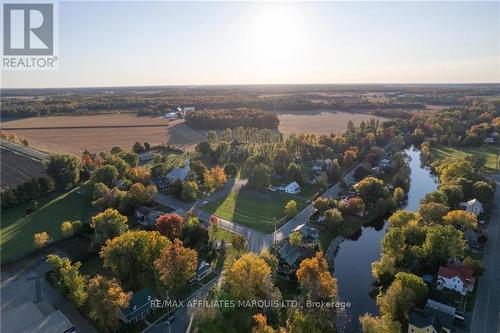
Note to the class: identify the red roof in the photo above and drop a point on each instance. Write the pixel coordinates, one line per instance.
(463, 273)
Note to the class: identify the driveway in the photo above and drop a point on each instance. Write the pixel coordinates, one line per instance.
(486, 316)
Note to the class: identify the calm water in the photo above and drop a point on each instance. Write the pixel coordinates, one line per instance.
(354, 258)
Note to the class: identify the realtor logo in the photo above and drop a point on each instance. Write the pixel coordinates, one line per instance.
(29, 32)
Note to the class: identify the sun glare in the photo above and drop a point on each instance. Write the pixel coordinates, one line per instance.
(276, 36)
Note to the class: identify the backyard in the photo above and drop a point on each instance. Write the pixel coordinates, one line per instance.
(490, 152)
(18, 230)
(254, 209)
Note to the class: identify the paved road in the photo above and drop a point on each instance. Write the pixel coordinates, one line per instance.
(486, 316)
(257, 240)
(28, 151)
(182, 316)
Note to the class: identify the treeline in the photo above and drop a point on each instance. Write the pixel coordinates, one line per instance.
(231, 118)
(27, 191)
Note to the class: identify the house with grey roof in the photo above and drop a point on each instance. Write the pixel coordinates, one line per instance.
(179, 173)
(141, 304)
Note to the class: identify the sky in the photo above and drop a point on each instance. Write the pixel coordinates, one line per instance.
(190, 43)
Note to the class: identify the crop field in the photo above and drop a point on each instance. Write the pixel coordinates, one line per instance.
(260, 211)
(319, 122)
(74, 134)
(16, 168)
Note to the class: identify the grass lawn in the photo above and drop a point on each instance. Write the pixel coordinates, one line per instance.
(257, 210)
(488, 151)
(18, 230)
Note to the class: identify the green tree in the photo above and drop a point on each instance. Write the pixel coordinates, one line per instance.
(108, 225)
(333, 218)
(189, 191)
(260, 176)
(454, 194)
(483, 191)
(63, 169)
(371, 189)
(461, 219)
(295, 238)
(398, 195)
(238, 242)
(432, 212)
(68, 280)
(107, 174)
(131, 255)
(442, 243)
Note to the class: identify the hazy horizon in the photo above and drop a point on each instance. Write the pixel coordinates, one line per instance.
(236, 43)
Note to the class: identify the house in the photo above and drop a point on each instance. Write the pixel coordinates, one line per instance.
(433, 304)
(491, 139)
(147, 216)
(310, 235)
(430, 321)
(161, 183)
(317, 166)
(139, 307)
(29, 318)
(188, 109)
(385, 164)
(179, 173)
(289, 257)
(457, 278)
(171, 115)
(147, 156)
(204, 269)
(473, 206)
(292, 188)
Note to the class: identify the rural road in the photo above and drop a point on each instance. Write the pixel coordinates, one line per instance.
(486, 316)
(257, 240)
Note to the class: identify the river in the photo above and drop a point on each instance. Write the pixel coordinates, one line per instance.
(354, 257)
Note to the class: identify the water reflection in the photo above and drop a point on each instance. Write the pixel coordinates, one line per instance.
(354, 258)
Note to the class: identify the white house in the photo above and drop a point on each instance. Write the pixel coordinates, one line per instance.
(473, 206)
(490, 139)
(458, 278)
(292, 188)
(179, 173)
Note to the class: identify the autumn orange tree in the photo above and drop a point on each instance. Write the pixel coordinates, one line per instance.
(170, 225)
(214, 178)
(261, 325)
(106, 298)
(176, 266)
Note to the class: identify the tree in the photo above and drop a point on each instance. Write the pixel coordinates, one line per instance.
(261, 325)
(198, 168)
(437, 197)
(474, 264)
(131, 158)
(442, 243)
(108, 225)
(355, 206)
(41, 239)
(401, 218)
(295, 238)
(138, 148)
(107, 174)
(432, 212)
(68, 280)
(382, 324)
(238, 242)
(398, 195)
(139, 175)
(189, 191)
(260, 176)
(333, 218)
(404, 293)
(315, 279)
(213, 228)
(106, 299)
(295, 173)
(454, 194)
(461, 219)
(170, 225)
(69, 228)
(371, 189)
(291, 208)
(139, 194)
(321, 204)
(231, 170)
(301, 322)
(483, 191)
(176, 266)
(249, 278)
(63, 169)
(214, 178)
(381, 207)
(131, 255)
